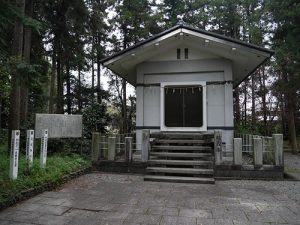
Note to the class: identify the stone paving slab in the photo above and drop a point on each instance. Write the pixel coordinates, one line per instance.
(113, 199)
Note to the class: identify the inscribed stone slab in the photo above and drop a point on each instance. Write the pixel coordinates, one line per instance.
(58, 125)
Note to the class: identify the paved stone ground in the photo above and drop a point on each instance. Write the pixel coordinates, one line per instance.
(111, 199)
(292, 165)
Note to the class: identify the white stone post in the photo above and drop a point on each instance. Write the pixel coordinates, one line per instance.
(218, 147)
(258, 151)
(278, 149)
(111, 148)
(44, 146)
(145, 145)
(128, 149)
(29, 148)
(237, 151)
(14, 154)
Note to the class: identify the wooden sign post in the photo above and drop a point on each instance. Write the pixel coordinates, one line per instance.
(14, 154)
(44, 145)
(29, 148)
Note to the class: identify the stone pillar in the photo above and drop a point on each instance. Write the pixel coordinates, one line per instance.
(118, 143)
(95, 145)
(103, 147)
(145, 145)
(258, 151)
(44, 146)
(14, 154)
(218, 147)
(128, 149)
(29, 148)
(278, 149)
(237, 151)
(111, 148)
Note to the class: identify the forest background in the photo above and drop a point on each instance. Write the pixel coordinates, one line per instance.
(51, 51)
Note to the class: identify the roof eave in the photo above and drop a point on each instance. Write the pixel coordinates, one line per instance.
(251, 72)
(256, 47)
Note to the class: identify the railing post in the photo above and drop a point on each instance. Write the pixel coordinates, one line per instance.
(128, 149)
(95, 145)
(111, 148)
(258, 151)
(278, 149)
(218, 147)
(145, 145)
(237, 151)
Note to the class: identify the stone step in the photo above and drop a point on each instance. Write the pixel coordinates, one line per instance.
(177, 179)
(183, 155)
(179, 141)
(185, 135)
(180, 170)
(180, 148)
(180, 162)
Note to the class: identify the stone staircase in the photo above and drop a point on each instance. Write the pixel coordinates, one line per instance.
(181, 157)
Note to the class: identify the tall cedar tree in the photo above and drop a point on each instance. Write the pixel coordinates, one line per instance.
(133, 20)
(17, 50)
(66, 21)
(99, 32)
(286, 15)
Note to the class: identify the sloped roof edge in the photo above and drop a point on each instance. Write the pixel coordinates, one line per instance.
(209, 33)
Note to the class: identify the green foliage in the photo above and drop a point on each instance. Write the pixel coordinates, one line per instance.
(135, 21)
(8, 14)
(246, 128)
(286, 14)
(172, 10)
(3, 136)
(95, 118)
(58, 165)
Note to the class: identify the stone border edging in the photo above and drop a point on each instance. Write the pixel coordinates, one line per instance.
(289, 176)
(26, 194)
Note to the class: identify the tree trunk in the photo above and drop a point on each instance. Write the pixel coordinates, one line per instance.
(60, 88)
(237, 105)
(291, 121)
(264, 101)
(17, 47)
(52, 93)
(79, 90)
(290, 103)
(245, 102)
(98, 79)
(253, 117)
(69, 100)
(283, 114)
(27, 51)
(93, 80)
(0, 111)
